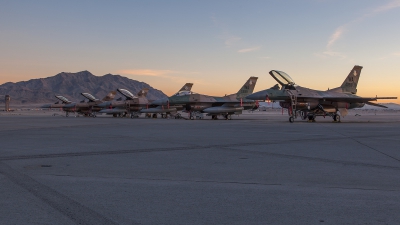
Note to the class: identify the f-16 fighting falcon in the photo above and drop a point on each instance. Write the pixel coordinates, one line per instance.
(57, 105)
(197, 104)
(309, 103)
(90, 107)
(130, 106)
(169, 109)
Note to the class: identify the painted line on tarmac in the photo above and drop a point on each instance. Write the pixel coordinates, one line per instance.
(308, 158)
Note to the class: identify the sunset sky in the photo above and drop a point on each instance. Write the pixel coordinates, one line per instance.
(215, 44)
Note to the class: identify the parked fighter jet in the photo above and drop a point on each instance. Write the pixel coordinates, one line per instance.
(197, 104)
(130, 106)
(310, 103)
(57, 105)
(170, 108)
(87, 108)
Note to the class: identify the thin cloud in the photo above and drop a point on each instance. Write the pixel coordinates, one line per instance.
(335, 36)
(396, 54)
(165, 74)
(228, 38)
(389, 6)
(230, 41)
(148, 72)
(341, 29)
(249, 49)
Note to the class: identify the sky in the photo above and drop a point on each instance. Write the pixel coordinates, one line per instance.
(215, 44)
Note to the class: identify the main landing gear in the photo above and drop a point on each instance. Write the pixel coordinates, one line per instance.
(336, 118)
(311, 117)
(228, 117)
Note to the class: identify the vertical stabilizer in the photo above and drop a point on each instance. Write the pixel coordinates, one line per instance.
(247, 88)
(143, 93)
(187, 87)
(110, 96)
(350, 84)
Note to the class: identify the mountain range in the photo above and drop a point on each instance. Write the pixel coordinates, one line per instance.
(71, 85)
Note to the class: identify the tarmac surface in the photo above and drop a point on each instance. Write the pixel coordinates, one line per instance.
(255, 169)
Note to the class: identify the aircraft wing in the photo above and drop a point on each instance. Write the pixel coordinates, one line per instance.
(349, 99)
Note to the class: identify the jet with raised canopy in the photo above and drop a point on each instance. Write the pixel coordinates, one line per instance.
(131, 106)
(308, 103)
(90, 107)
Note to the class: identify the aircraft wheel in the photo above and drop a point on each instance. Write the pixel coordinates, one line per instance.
(291, 119)
(336, 118)
(66, 115)
(191, 117)
(230, 117)
(303, 115)
(226, 117)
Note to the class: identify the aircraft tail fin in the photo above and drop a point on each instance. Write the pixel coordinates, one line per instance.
(350, 84)
(143, 93)
(110, 96)
(247, 88)
(187, 87)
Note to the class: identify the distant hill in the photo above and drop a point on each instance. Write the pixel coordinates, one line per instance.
(71, 85)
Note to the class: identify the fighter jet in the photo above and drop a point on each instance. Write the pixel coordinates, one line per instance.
(197, 104)
(309, 103)
(88, 108)
(170, 109)
(130, 106)
(58, 104)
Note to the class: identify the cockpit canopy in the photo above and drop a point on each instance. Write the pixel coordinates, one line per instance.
(184, 93)
(126, 93)
(282, 78)
(89, 96)
(63, 99)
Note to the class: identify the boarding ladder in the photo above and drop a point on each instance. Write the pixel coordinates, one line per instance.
(293, 103)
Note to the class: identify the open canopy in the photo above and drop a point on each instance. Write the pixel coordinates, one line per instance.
(89, 96)
(62, 98)
(126, 93)
(281, 77)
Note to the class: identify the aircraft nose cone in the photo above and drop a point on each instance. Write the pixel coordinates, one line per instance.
(261, 95)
